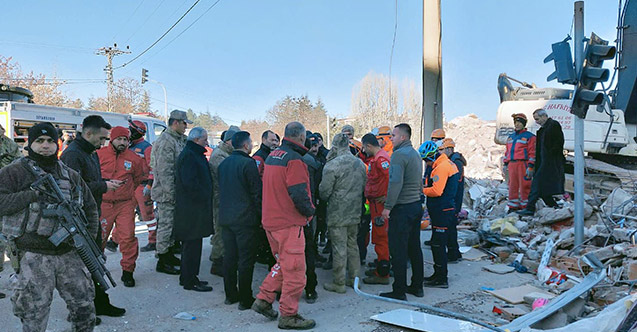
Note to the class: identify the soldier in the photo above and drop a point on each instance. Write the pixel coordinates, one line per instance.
(43, 266)
(218, 155)
(9, 151)
(118, 206)
(376, 192)
(163, 160)
(142, 194)
(342, 187)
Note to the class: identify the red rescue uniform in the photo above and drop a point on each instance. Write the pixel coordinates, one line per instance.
(519, 156)
(118, 206)
(376, 187)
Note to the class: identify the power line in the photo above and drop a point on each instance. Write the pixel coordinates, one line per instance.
(162, 36)
(128, 19)
(145, 21)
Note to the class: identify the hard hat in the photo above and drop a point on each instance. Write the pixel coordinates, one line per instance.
(428, 150)
(519, 117)
(384, 131)
(138, 126)
(438, 133)
(447, 143)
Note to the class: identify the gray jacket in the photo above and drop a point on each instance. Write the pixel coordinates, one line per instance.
(405, 176)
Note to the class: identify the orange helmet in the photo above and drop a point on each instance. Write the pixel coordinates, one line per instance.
(438, 133)
(138, 126)
(519, 117)
(384, 131)
(447, 143)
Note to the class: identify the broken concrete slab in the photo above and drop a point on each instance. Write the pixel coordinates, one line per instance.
(474, 255)
(530, 297)
(499, 268)
(615, 202)
(550, 215)
(515, 295)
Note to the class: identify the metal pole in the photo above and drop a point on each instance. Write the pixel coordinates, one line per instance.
(578, 175)
(165, 98)
(431, 67)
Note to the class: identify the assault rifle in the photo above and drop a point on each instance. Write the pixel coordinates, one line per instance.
(73, 225)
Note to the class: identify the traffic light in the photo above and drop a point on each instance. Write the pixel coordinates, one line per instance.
(333, 123)
(597, 50)
(563, 61)
(144, 75)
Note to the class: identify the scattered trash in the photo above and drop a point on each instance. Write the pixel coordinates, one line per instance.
(185, 316)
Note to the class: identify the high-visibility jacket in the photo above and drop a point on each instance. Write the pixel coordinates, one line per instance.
(520, 147)
(444, 184)
(125, 166)
(377, 175)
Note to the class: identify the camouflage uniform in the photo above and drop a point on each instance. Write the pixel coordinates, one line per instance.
(163, 160)
(342, 187)
(44, 267)
(9, 151)
(218, 155)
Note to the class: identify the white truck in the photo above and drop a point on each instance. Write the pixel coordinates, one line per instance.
(17, 117)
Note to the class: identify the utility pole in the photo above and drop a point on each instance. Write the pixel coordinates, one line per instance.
(110, 52)
(431, 67)
(578, 173)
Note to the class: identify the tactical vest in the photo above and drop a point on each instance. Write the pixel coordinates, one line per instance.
(30, 220)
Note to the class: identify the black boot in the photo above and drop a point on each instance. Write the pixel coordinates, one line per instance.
(127, 279)
(111, 245)
(165, 267)
(148, 247)
(171, 259)
(103, 306)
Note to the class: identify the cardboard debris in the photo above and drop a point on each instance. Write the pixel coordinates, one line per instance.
(515, 295)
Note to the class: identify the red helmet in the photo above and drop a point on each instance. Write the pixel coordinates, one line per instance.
(138, 126)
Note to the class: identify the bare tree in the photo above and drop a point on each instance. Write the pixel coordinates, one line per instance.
(301, 109)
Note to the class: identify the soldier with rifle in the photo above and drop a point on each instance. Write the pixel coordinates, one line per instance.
(50, 219)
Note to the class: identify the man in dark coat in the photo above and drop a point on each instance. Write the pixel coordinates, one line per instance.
(315, 172)
(548, 179)
(239, 217)
(81, 156)
(193, 211)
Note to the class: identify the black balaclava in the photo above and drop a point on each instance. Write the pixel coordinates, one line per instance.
(43, 129)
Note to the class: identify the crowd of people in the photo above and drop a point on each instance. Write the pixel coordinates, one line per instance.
(273, 207)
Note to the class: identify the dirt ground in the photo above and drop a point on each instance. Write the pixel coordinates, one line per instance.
(157, 297)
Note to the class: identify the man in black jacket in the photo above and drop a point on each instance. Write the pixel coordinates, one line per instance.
(315, 172)
(81, 156)
(269, 142)
(239, 216)
(193, 211)
(548, 179)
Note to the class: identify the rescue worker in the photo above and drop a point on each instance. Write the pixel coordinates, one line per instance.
(383, 135)
(9, 150)
(163, 160)
(117, 162)
(548, 178)
(43, 266)
(342, 186)
(437, 136)
(453, 249)
(404, 210)
(218, 155)
(287, 207)
(81, 156)
(240, 191)
(143, 149)
(315, 169)
(269, 142)
(440, 192)
(519, 160)
(376, 193)
(193, 213)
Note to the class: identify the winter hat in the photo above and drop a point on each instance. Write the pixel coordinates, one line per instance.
(42, 129)
(230, 132)
(119, 131)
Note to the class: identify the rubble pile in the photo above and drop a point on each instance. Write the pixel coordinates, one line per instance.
(544, 244)
(474, 138)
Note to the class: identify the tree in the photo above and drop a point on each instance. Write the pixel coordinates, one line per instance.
(144, 104)
(301, 109)
(207, 121)
(98, 103)
(372, 106)
(255, 127)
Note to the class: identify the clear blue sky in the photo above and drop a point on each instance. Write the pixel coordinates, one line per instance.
(243, 56)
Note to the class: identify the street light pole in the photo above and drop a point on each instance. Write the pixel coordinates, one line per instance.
(165, 98)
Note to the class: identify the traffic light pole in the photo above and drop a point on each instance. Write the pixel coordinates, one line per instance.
(165, 98)
(578, 175)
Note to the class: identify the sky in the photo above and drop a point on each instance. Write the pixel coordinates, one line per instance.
(242, 56)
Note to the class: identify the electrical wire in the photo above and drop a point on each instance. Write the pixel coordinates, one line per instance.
(146, 20)
(128, 19)
(161, 37)
(193, 23)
